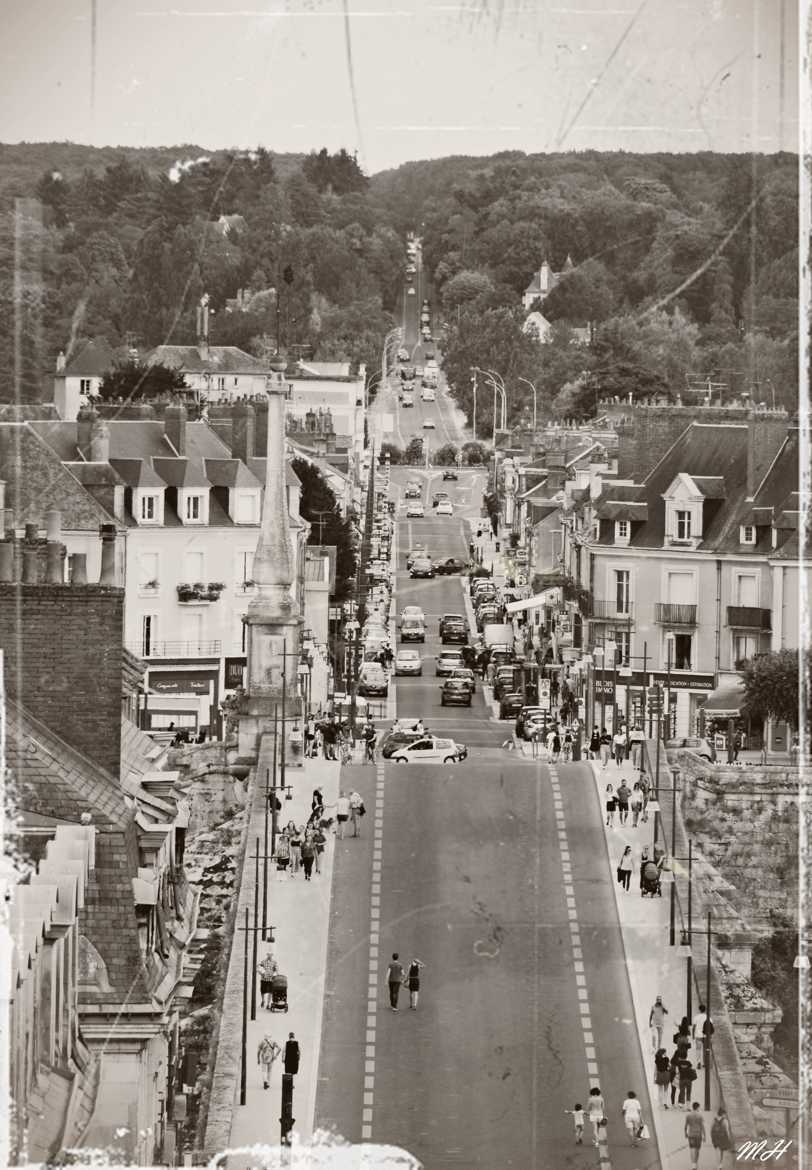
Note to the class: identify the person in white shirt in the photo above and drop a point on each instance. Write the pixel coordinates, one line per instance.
(632, 1116)
(342, 813)
(698, 1034)
(356, 805)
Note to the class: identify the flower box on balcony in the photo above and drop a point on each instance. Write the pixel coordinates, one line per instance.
(199, 592)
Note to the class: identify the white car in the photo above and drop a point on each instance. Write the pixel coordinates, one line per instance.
(403, 354)
(445, 508)
(429, 424)
(410, 270)
(414, 509)
(410, 292)
(413, 611)
(430, 750)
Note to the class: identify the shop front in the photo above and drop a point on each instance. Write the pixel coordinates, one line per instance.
(723, 721)
(183, 697)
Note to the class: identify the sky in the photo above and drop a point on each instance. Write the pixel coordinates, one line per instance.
(397, 80)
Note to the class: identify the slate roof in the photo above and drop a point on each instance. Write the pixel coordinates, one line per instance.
(221, 359)
(181, 473)
(324, 369)
(711, 486)
(94, 360)
(230, 473)
(257, 467)
(137, 473)
(36, 482)
(94, 474)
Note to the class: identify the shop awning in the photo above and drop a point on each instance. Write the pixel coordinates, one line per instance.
(543, 598)
(725, 702)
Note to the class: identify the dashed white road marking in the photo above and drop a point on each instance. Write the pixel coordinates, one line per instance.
(577, 953)
(367, 1112)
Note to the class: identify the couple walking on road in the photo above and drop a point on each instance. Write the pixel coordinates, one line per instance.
(396, 979)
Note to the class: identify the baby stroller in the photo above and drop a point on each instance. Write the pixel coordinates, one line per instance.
(650, 880)
(279, 993)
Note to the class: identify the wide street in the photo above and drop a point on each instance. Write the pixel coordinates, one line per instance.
(524, 984)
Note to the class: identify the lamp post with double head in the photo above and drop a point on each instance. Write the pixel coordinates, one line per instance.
(527, 382)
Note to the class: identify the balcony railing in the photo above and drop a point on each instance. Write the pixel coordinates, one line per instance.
(175, 649)
(669, 614)
(749, 617)
(610, 611)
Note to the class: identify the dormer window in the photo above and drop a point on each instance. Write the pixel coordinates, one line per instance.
(747, 534)
(683, 525)
(246, 507)
(193, 507)
(622, 531)
(149, 509)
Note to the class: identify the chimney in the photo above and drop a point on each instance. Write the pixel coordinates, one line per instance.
(54, 549)
(7, 560)
(78, 569)
(60, 362)
(243, 431)
(107, 532)
(99, 441)
(203, 327)
(85, 421)
(765, 435)
(175, 427)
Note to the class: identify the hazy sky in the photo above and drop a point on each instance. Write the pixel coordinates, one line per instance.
(431, 77)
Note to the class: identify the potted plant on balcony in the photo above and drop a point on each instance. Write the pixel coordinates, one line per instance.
(151, 585)
(186, 592)
(213, 591)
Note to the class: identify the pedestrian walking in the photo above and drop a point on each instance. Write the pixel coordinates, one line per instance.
(636, 738)
(594, 744)
(662, 1075)
(295, 842)
(720, 1135)
(292, 1055)
(622, 797)
(619, 745)
(577, 1115)
(357, 810)
(342, 813)
(611, 805)
(636, 804)
(596, 1111)
(695, 1132)
(282, 854)
(308, 854)
(701, 1027)
(394, 977)
(633, 1117)
(370, 737)
(319, 841)
(682, 1037)
(674, 1071)
(605, 746)
(413, 982)
(556, 746)
(624, 868)
(686, 1075)
(267, 1053)
(310, 737)
(267, 969)
(317, 805)
(567, 746)
(656, 1021)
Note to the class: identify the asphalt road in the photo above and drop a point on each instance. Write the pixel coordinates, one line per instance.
(471, 883)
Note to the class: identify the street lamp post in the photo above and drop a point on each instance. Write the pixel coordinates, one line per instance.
(673, 906)
(599, 653)
(669, 638)
(473, 383)
(535, 402)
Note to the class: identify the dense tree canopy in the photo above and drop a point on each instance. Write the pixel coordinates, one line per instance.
(134, 381)
(318, 504)
(772, 686)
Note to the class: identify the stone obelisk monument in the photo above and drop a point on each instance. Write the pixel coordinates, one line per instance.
(273, 619)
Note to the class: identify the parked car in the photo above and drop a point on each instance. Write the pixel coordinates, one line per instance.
(412, 630)
(510, 704)
(535, 724)
(448, 660)
(527, 713)
(408, 662)
(455, 692)
(422, 567)
(430, 750)
(453, 628)
(373, 680)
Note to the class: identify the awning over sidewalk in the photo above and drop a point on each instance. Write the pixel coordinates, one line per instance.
(725, 702)
(535, 602)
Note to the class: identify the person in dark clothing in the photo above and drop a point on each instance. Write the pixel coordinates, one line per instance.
(662, 1075)
(413, 979)
(687, 1075)
(394, 977)
(594, 744)
(292, 1055)
(308, 855)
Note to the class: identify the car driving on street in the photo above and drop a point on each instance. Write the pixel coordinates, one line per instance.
(453, 628)
(414, 510)
(408, 662)
(430, 750)
(422, 566)
(445, 508)
(448, 567)
(450, 474)
(412, 630)
(448, 660)
(455, 692)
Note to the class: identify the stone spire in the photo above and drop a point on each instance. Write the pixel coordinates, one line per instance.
(273, 570)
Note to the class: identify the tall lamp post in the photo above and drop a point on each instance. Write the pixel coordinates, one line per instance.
(669, 639)
(535, 401)
(599, 655)
(673, 906)
(474, 373)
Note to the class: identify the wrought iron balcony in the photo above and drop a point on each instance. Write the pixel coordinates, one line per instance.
(669, 614)
(749, 617)
(154, 649)
(610, 611)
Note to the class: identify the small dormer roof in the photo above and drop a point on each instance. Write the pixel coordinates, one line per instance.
(137, 473)
(231, 473)
(182, 472)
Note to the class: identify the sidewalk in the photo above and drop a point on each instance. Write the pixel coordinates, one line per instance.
(654, 969)
(299, 912)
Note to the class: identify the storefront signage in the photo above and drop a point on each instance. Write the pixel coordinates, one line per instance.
(683, 682)
(179, 684)
(604, 688)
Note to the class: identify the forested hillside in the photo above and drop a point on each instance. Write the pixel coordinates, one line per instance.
(683, 266)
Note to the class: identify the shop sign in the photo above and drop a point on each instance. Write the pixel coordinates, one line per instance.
(604, 687)
(234, 671)
(683, 682)
(544, 693)
(174, 683)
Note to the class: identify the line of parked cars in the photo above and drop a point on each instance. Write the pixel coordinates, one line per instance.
(375, 634)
